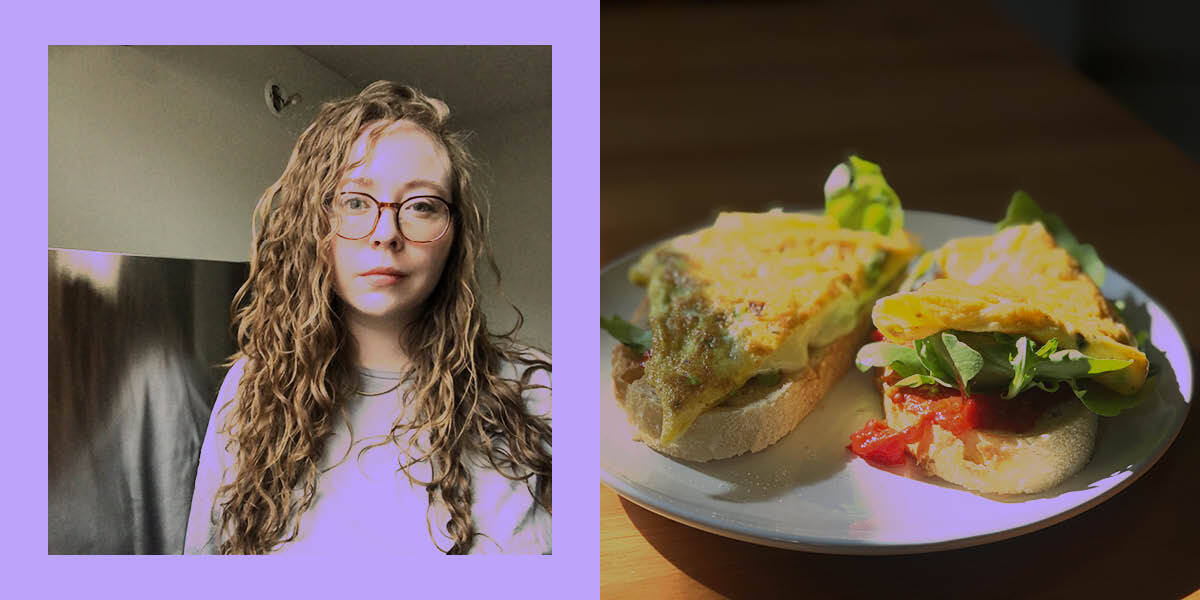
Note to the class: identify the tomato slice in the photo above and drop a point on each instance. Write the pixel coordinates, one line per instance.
(880, 444)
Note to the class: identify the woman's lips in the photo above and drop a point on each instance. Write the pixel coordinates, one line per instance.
(382, 278)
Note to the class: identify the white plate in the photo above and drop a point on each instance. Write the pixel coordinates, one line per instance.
(808, 492)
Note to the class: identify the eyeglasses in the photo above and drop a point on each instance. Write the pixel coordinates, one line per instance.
(420, 219)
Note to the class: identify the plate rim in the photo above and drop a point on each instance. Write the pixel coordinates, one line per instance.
(865, 547)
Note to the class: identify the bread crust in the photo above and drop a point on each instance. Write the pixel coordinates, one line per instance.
(1003, 462)
(750, 420)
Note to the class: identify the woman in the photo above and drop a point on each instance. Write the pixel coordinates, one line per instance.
(368, 406)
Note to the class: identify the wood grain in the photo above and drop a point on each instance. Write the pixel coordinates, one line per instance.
(748, 106)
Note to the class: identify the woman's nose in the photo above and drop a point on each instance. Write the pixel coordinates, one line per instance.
(386, 231)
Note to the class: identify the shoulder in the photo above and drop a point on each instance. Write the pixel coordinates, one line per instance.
(225, 402)
(215, 459)
(229, 386)
(226, 399)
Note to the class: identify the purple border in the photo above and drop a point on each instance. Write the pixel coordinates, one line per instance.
(573, 29)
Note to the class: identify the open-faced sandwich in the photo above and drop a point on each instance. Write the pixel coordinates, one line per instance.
(750, 321)
(997, 355)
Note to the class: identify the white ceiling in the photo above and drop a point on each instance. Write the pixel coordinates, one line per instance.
(476, 81)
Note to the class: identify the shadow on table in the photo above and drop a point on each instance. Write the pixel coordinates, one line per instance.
(812, 453)
(1140, 553)
(774, 472)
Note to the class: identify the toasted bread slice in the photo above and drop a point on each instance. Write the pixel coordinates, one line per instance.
(751, 419)
(1002, 462)
(750, 294)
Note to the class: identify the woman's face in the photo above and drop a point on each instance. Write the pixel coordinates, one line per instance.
(406, 162)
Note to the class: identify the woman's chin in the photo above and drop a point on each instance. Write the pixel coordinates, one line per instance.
(381, 311)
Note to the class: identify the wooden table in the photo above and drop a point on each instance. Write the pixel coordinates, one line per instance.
(735, 106)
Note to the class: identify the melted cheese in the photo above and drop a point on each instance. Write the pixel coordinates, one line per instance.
(752, 293)
(1019, 282)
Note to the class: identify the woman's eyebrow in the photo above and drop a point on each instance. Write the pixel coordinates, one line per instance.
(360, 181)
(416, 183)
(367, 182)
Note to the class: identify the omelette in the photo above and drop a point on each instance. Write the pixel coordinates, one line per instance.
(750, 296)
(1017, 281)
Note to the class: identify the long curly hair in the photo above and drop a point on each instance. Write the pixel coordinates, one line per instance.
(299, 356)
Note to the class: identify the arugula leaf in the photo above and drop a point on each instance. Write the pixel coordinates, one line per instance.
(1022, 369)
(995, 351)
(901, 359)
(1071, 363)
(936, 359)
(996, 360)
(1051, 366)
(875, 267)
(858, 197)
(627, 333)
(967, 361)
(1101, 400)
(1023, 210)
(1025, 366)
(925, 270)
(918, 381)
(1049, 386)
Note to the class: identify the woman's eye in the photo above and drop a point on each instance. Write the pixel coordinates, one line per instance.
(353, 202)
(422, 206)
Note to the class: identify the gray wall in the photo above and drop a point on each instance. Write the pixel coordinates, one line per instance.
(518, 183)
(164, 150)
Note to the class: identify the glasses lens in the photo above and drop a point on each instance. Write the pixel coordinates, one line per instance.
(424, 219)
(356, 214)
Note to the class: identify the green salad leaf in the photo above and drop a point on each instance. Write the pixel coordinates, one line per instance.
(1102, 400)
(627, 333)
(997, 361)
(995, 352)
(924, 270)
(937, 360)
(1071, 364)
(966, 360)
(875, 267)
(919, 380)
(858, 197)
(1023, 372)
(1023, 210)
(901, 359)
(1050, 365)
(948, 360)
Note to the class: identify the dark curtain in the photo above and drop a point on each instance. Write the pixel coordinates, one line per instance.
(129, 396)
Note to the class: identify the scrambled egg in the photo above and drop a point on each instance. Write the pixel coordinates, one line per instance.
(753, 293)
(1016, 281)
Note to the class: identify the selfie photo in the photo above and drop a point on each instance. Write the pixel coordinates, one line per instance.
(299, 300)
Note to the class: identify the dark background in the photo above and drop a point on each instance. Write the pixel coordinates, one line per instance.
(1146, 55)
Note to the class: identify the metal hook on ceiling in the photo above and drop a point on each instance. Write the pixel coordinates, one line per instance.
(278, 99)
